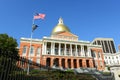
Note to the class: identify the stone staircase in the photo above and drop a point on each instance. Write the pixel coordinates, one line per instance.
(97, 74)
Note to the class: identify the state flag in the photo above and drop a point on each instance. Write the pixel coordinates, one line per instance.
(34, 27)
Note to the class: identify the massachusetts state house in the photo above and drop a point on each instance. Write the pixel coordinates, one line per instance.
(63, 50)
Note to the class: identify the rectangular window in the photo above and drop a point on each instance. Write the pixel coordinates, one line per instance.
(24, 50)
(38, 51)
(32, 50)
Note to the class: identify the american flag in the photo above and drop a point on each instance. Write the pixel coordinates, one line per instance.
(39, 16)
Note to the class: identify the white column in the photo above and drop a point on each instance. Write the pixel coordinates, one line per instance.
(43, 48)
(65, 50)
(89, 52)
(71, 49)
(59, 48)
(53, 49)
(46, 48)
(82, 50)
(96, 42)
(76, 51)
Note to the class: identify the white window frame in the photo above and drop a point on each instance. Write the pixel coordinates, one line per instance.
(38, 51)
(32, 50)
(24, 50)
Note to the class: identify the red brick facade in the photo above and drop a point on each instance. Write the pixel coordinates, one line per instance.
(64, 61)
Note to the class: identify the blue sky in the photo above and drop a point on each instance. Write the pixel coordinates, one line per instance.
(88, 19)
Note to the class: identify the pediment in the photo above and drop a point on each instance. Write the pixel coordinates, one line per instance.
(66, 34)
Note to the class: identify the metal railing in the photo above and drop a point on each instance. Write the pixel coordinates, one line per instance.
(14, 68)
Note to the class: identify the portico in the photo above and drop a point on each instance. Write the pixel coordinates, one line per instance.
(66, 49)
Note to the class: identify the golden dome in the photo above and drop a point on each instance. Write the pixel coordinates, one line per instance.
(60, 27)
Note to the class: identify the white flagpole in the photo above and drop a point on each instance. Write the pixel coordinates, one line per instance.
(29, 55)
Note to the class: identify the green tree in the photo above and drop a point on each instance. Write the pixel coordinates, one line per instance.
(8, 55)
(8, 46)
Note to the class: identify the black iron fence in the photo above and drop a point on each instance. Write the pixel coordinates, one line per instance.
(15, 68)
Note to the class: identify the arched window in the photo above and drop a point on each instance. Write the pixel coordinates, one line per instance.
(32, 50)
(38, 51)
(99, 55)
(24, 49)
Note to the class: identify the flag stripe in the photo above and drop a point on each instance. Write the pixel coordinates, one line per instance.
(39, 16)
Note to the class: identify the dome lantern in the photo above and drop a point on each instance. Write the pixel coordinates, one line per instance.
(60, 21)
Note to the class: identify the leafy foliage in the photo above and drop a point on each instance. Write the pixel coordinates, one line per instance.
(8, 46)
(8, 54)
